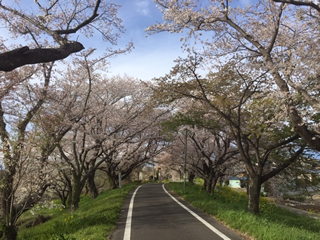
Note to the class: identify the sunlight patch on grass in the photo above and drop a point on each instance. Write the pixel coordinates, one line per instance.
(94, 220)
(230, 207)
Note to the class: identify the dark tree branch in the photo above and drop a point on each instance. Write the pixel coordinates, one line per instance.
(300, 3)
(287, 163)
(83, 24)
(289, 140)
(23, 56)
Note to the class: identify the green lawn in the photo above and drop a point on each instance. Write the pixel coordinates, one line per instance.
(94, 220)
(230, 207)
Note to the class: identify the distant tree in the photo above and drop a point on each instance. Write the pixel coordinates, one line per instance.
(62, 185)
(209, 148)
(301, 179)
(217, 155)
(137, 139)
(249, 108)
(171, 161)
(115, 131)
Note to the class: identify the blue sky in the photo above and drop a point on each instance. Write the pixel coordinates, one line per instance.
(153, 56)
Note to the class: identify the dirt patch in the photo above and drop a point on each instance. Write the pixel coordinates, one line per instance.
(313, 206)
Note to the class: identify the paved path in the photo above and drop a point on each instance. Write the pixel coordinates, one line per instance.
(155, 214)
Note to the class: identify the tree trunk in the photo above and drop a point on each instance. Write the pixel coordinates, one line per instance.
(70, 189)
(69, 200)
(76, 192)
(8, 232)
(92, 186)
(86, 189)
(214, 182)
(64, 201)
(209, 185)
(254, 193)
(114, 182)
(205, 184)
(63, 196)
(191, 177)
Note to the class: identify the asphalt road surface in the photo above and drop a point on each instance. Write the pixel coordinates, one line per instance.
(152, 213)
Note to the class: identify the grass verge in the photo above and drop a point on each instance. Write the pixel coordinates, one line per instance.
(230, 207)
(94, 220)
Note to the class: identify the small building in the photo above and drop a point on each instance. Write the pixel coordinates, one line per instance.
(236, 182)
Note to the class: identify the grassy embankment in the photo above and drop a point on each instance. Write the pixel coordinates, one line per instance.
(230, 207)
(94, 220)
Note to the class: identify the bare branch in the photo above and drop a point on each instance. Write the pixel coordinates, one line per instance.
(276, 30)
(83, 24)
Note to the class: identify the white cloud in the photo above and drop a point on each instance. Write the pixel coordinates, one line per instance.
(142, 7)
(144, 66)
(145, 63)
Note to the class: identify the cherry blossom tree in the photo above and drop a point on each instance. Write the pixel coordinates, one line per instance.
(133, 129)
(76, 155)
(278, 39)
(250, 109)
(17, 109)
(49, 29)
(171, 161)
(54, 28)
(216, 154)
(116, 131)
(64, 116)
(62, 185)
(210, 150)
(45, 113)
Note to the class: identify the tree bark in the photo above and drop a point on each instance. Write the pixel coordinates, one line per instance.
(254, 193)
(69, 199)
(76, 192)
(9, 232)
(191, 177)
(214, 182)
(8, 209)
(114, 182)
(23, 56)
(209, 184)
(92, 185)
(205, 184)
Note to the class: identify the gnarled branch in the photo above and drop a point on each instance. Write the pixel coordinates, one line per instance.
(23, 56)
(300, 3)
